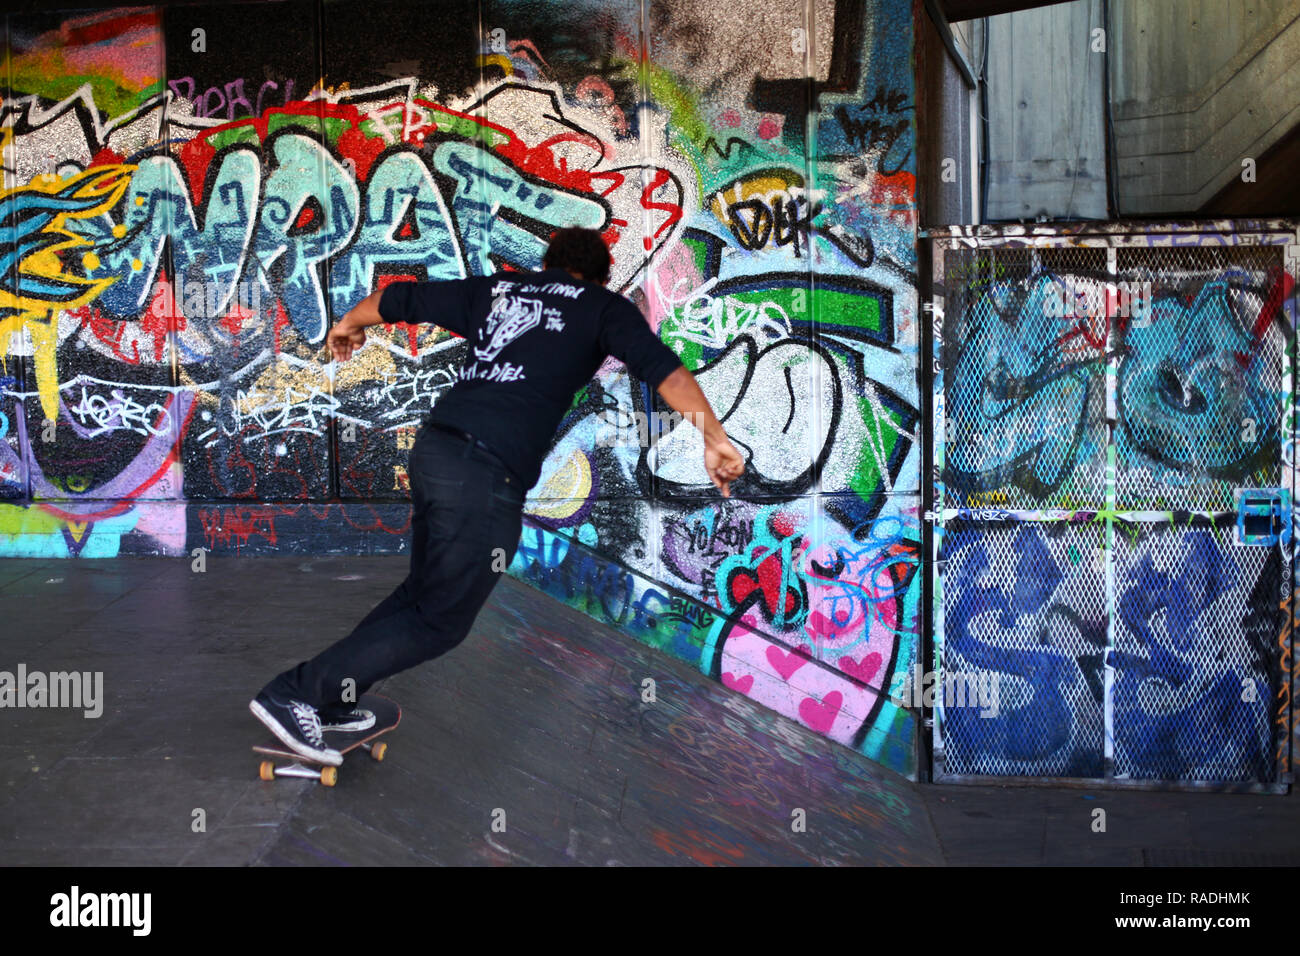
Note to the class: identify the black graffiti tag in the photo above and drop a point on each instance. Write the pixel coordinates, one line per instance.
(753, 222)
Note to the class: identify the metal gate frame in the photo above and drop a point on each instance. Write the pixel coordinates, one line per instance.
(1111, 237)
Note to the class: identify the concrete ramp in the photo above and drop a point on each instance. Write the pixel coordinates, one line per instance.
(537, 741)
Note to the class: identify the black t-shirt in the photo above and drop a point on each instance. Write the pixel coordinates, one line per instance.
(533, 339)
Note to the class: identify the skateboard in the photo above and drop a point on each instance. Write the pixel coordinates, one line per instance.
(387, 716)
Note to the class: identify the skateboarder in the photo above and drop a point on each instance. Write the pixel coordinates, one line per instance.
(532, 340)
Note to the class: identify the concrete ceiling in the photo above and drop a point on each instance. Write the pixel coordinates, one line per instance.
(956, 10)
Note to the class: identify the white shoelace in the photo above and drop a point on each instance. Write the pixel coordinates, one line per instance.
(308, 722)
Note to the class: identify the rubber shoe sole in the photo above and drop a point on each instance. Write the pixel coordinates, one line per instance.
(352, 726)
(329, 757)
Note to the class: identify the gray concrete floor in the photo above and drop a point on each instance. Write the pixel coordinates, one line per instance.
(535, 721)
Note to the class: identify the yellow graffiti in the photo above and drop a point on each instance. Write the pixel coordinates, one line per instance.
(31, 531)
(100, 188)
(17, 522)
(985, 498)
(760, 185)
(565, 491)
(497, 60)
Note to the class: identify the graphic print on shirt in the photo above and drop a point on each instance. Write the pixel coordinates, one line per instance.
(511, 317)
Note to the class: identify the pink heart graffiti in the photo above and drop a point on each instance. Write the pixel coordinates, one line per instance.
(742, 684)
(863, 670)
(785, 664)
(819, 715)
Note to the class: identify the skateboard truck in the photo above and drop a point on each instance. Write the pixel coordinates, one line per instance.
(327, 775)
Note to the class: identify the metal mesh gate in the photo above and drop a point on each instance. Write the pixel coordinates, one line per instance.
(1043, 638)
(1193, 639)
(1110, 518)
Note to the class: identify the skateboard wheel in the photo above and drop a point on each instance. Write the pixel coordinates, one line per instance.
(329, 776)
(378, 751)
(267, 770)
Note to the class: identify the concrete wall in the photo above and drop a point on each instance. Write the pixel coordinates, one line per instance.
(1198, 86)
(189, 210)
(1047, 150)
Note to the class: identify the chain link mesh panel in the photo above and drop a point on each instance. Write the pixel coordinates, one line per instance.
(1200, 389)
(1196, 662)
(1024, 372)
(1024, 613)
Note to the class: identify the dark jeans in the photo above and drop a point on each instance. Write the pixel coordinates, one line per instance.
(465, 506)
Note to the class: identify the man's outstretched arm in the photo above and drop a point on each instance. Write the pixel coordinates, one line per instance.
(441, 302)
(721, 460)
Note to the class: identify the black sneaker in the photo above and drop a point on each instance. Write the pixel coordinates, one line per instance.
(297, 725)
(345, 717)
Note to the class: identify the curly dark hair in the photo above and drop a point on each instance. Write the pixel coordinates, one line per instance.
(580, 250)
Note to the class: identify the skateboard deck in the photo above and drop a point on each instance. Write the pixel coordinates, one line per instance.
(387, 716)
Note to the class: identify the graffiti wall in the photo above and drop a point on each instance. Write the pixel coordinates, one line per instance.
(1116, 471)
(192, 196)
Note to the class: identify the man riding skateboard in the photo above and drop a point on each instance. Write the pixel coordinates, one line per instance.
(533, 340)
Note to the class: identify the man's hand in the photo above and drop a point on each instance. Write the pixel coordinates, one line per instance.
(350, 332)
(724, 464)
(344, 339)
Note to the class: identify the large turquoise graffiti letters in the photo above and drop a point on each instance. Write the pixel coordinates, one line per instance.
(404, 226)
(209, 247)
(1017, 401)
(1190, 398)
(486, 185)
(306, 179)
